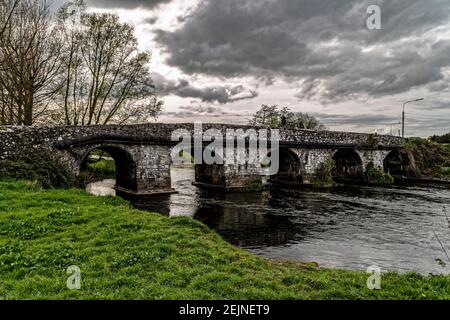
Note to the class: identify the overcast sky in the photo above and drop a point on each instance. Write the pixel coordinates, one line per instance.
(219, 60)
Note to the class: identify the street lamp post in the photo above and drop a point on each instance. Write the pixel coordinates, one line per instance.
(403, 114)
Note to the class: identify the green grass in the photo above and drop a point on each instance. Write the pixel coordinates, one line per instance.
(125, 253)
(103, 168)
(99, 170)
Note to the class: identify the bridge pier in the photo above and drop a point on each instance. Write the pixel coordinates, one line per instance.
(153, 170)
(229, 177)
(375, 157)
(311, 159)
(244, 177)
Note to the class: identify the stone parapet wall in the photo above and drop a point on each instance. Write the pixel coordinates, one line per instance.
(16, 139)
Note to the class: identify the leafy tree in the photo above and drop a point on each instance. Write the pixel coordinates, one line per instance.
(267, 116)
(308, 121)
(441, 139)
(276, 118)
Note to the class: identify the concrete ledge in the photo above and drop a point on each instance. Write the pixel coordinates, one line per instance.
(288, 183)
(128, 192)
(412, 180)
(228, 189)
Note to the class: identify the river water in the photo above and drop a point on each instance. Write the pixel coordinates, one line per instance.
(397, 229)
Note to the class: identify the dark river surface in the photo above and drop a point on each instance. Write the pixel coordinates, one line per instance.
(397, 229)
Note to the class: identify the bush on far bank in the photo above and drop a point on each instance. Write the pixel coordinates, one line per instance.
(376, 176)
(40, 166)
(432, 160)
(324, 174)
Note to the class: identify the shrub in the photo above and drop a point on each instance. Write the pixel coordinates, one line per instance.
(254, 186)
(324, 174)
(431, 159)
(41, 166)
(446, 171)
(376, 176)
(441, 139)
(100, 170)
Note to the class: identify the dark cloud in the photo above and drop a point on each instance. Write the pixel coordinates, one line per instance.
(323, 45)
(150, 20)
(213, 93)
(197, 111)
(126, 4)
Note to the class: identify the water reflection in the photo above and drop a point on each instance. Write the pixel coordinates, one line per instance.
(393, 228)
(102, 188)
(245, 226)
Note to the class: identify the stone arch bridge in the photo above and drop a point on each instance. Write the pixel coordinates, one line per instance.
(142, 153)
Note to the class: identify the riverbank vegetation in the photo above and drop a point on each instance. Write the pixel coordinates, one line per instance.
(99, 166)
(124, 253)
(40, 166)
(432, 159)
(376, 176)
(441, 139)
(324, 174)
(103, 168)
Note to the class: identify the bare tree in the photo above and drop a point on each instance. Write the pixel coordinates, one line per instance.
(31, 62)
(84, 68)
(106, 77)
(7, 8)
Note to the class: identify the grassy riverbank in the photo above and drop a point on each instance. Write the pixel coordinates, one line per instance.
(432, 159)
(125, 253)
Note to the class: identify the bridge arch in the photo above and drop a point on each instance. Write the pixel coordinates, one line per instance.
(397, 163)
(125, 165)
(349, 164)
(290, 168)
(213, 174)
(210, 174)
